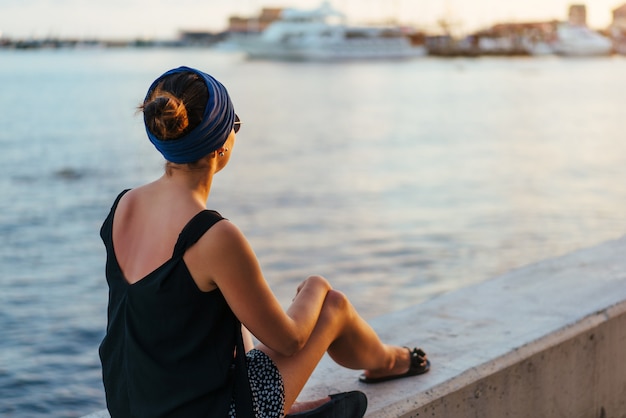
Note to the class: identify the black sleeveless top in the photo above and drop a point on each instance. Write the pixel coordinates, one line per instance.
(169, 347)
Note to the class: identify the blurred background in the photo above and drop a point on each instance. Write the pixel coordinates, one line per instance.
(397, 177)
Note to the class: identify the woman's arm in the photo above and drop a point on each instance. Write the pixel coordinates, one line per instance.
(224, 258)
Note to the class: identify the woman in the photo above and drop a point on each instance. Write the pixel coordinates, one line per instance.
(184, 283)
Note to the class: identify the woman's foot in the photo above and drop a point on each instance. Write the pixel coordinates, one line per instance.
(407, 363)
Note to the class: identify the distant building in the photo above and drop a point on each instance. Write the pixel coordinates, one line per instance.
(617, 30)
(578, 15)
(620, 13)
(237, 24)
(619, 18)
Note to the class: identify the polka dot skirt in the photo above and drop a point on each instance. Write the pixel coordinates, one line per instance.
(266, 384)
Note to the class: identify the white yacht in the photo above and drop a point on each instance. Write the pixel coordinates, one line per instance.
(322, 35)
(577, 40)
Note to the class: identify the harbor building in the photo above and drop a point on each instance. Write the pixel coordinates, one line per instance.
(578, 15)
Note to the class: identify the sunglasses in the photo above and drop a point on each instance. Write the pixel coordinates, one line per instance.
(237, 124)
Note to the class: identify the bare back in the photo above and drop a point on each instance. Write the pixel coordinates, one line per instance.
(146, 226)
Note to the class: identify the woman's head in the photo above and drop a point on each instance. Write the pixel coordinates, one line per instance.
(188, 114)
(175, 106)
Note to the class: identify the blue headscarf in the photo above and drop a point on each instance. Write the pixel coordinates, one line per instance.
(217, 123)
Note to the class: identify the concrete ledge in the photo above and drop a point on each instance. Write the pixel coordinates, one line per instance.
(546, 340)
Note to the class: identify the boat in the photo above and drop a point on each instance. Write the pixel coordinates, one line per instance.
(580, 41)
(321, 34)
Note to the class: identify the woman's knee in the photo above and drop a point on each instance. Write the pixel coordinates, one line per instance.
(337, 305)
(320, 279)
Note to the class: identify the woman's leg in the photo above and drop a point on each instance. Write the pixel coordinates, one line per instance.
(349, 340)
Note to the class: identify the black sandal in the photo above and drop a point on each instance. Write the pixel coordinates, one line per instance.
(419, 365)
(341, 405)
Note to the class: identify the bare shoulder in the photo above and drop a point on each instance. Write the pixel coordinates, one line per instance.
(126, 214)
(225, 242)
(130, 202)
(220, 253)
(223, 233)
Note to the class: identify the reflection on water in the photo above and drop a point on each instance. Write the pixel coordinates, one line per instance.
(397, 181)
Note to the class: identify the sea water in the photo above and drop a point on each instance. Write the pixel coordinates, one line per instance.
(398, 181)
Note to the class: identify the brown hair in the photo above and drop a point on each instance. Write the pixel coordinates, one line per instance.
(175, 106)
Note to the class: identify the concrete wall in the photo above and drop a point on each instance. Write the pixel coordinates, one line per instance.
(546, 340)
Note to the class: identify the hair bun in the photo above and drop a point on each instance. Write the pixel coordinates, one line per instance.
(166, 116)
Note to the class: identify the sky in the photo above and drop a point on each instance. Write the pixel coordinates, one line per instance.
(163, 19)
